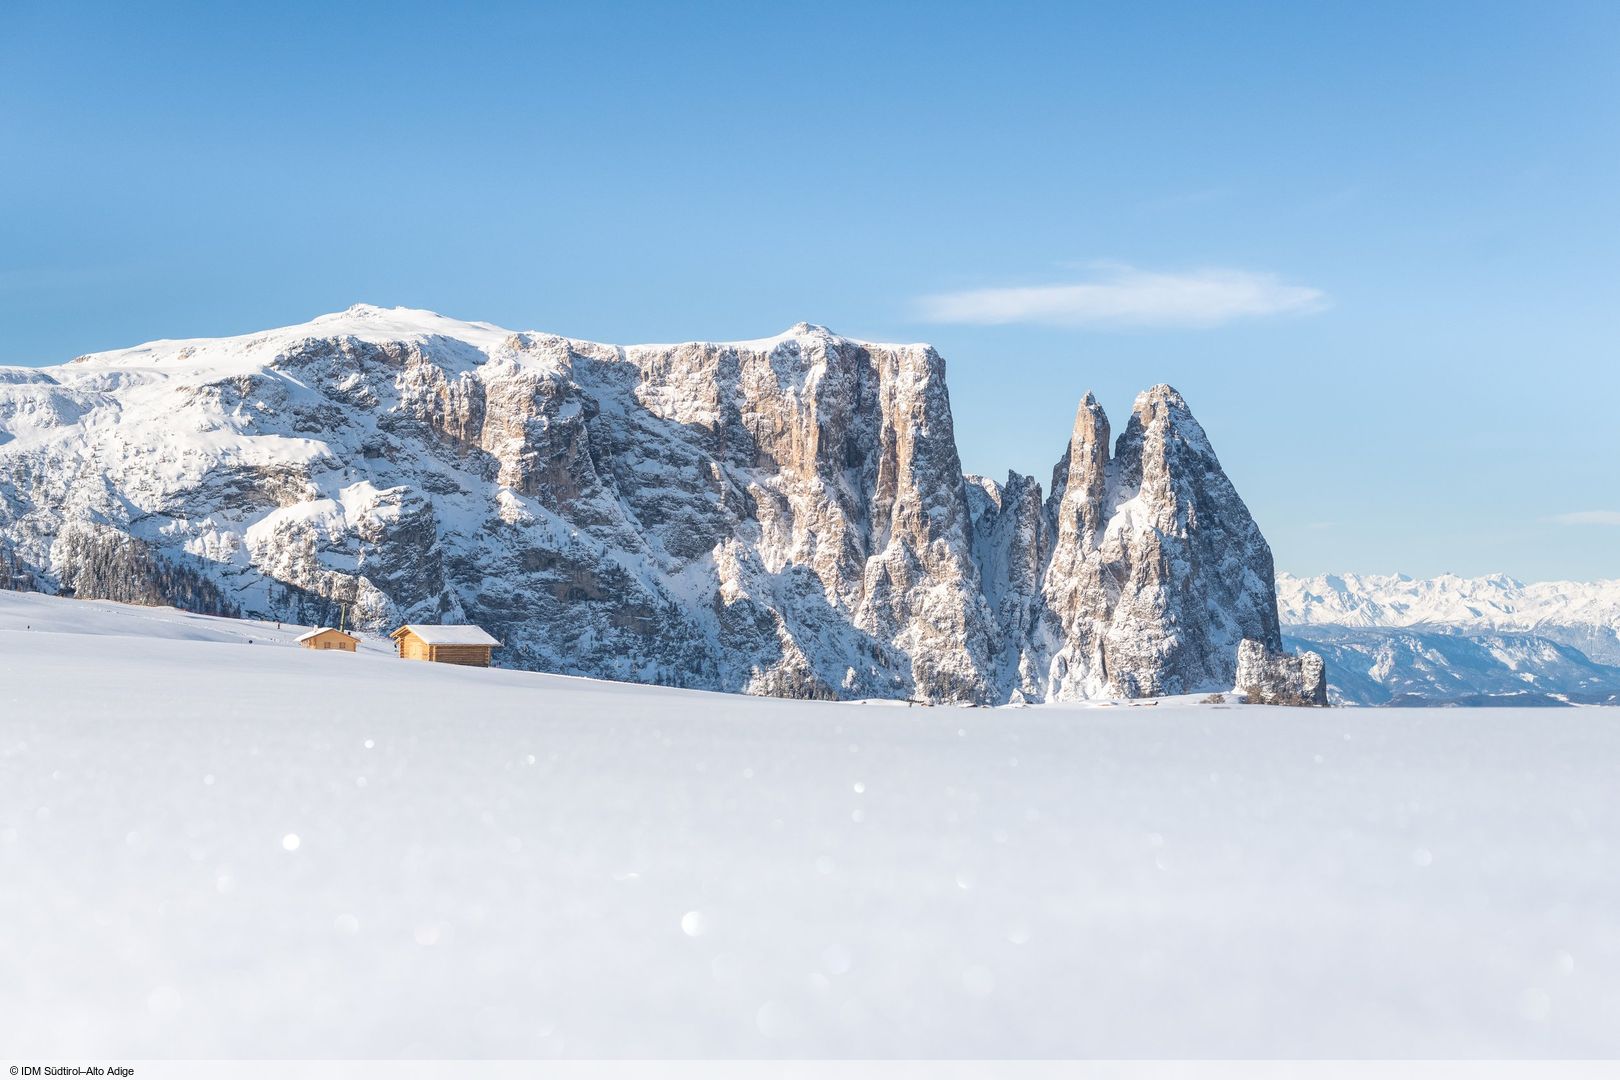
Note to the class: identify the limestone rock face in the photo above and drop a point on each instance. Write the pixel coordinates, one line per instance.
(1009, 545)
(784, 516)
(1271, 677)
(1149, 570)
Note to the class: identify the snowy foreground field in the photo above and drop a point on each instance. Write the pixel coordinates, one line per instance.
(211, 848)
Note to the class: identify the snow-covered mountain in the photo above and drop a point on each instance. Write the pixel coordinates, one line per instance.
(1454, 640)
(1402, 666)
(1583, 614)
(783, 516)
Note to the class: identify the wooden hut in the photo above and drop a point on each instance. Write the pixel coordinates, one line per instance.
(324, 637)
(466, 645)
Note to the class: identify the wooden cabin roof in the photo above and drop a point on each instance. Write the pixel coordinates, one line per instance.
(319, 630)
(446, 635)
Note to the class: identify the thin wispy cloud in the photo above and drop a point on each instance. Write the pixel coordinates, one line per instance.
(1587, 517)
(1125, 296)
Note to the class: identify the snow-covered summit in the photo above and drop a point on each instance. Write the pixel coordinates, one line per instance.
(361, 322)
(376, 325)
(806, 334)
(369, 322)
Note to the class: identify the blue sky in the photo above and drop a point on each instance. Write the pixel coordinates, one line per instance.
(1374, 244)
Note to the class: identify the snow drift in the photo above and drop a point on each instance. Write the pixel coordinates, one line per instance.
(216, 849)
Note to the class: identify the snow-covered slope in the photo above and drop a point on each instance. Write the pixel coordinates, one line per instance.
(212, 849)
(1583, 614)
(784, 516)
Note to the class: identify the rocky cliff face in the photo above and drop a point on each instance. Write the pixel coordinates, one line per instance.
(785, 516)
(1271, 678)
(1142, 572)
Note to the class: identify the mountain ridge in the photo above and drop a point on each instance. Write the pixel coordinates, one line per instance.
(1583, 614)
(783, 515)
(380, 325)
(1392, 639)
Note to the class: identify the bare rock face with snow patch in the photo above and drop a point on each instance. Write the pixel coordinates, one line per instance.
(1151, 570)
(785, 516)
(1269, 677)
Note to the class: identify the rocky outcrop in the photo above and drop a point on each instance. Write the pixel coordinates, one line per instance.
(1269, 677)
(785, 516)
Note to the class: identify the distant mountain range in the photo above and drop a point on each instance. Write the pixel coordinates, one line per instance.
(1458, 641)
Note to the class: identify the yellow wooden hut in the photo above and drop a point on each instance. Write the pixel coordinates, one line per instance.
(469, 646)
(324, 637)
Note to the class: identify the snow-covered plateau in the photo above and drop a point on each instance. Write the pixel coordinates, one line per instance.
(211, 848)
(785, 516)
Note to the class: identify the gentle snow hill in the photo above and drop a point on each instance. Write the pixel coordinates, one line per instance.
(103, 618)
(212, 849)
